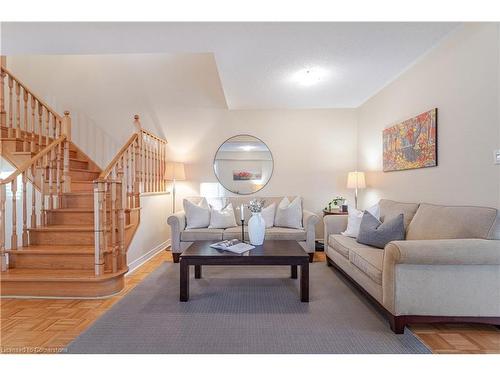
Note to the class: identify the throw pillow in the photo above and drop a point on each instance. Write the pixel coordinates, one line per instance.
(222, 219)
(289, 214)
(268, 215)
(354, 220)
(375, 233)
(197, 215)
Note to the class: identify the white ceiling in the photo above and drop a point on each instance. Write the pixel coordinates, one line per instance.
(254, 60)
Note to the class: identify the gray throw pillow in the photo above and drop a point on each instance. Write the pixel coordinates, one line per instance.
(375, 233)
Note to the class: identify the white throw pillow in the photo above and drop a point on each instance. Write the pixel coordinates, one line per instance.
(222, 219)
(197, 215)
(289, 214)
(354, 220)
(268, 215)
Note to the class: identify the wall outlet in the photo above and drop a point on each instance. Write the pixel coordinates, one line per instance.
(497, 156)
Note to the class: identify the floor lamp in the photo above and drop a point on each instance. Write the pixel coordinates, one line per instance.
(356, 180)
(174, 172)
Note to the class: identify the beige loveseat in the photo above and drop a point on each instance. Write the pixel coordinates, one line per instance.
(182, 238)
(447, 269)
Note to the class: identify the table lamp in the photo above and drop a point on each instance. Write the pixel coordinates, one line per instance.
(174, 171)
(356, 180)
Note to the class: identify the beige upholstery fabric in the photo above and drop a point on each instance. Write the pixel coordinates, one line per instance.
(445, 290)
(390, 209)
(200, 234)
(232, 233)
(447, 222)
(334, 224)
(373, 288)
(446, 252)
(369, 260)
(177, 224)
(467, 252)
(277, 233)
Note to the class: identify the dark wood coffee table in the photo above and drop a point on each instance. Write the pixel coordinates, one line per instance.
(271, 253)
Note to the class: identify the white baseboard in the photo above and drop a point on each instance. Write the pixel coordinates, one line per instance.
(144, 258)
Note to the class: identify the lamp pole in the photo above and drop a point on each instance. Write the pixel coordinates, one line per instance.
(173, 196)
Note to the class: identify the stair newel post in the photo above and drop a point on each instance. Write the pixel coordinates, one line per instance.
(40, 125)
(3, 256)
(99, 205)
(11, 124)
(58, 175)
(25, 210)
(47, 127)
(122, 261)
(137, 174)
(127, 177)
(132, 175)
(33, 197)
(18, 110)
(113, 221)
(3, 118)
(26, 124)
(66, 131)
(43, 171)
(139, 156)
(33, 124)
(13, 237)
(50, 171)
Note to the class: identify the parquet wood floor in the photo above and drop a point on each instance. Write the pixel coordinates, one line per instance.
(47, 326)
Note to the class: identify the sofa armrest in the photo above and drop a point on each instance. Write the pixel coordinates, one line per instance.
(177, 224)
(413, 281)
(444, 252)
(334, 224)
(309, 220)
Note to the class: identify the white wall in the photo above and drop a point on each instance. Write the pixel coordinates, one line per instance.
(313, 150)
(153, 233)
(460, 78)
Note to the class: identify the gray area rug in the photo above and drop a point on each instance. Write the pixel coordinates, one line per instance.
(244, 310)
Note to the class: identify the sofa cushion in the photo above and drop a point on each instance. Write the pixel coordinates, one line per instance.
(197, 214)
(234, 232)
(289, 214)
(435, 222)
(372, 232)
(342, 244)
(390, 209)
(279, 233)
(238, 201)
(200, 234)
(369, 260)
(222, 218)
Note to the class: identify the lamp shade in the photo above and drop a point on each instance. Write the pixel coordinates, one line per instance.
(175, 171)
(356, 180)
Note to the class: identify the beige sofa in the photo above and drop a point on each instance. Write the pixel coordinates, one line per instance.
(447, 269)
(182, 238)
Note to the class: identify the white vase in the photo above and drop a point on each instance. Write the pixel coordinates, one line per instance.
(256, 229)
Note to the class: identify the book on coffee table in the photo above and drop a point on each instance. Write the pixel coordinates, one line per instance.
(234, 246)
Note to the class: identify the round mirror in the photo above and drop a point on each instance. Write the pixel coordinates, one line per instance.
(243, 164)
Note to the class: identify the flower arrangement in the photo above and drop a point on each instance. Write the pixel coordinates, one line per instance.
(338, 201)
(256, 205)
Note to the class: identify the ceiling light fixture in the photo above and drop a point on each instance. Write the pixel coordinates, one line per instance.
(310, 76)
(247, 148)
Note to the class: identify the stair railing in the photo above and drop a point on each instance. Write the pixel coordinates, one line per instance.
(50, 168)
(25, 115)
(137, 168)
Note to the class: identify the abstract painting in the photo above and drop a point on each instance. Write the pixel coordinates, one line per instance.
(412, 143)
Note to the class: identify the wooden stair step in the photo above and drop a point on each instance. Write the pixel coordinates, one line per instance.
(55, 257)
(72, 216)
(78, 163)
(60, 282)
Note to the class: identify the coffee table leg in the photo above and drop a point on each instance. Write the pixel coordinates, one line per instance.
(294, 271)
(197, 271)
(184, 281)
(304, 282)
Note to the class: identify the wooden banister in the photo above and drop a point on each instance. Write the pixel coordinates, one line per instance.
(135, 169)
(20, 83)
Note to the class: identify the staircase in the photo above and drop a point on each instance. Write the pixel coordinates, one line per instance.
(74, 241)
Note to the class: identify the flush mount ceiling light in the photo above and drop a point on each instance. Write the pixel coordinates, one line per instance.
(247, 148)
(309, 76)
